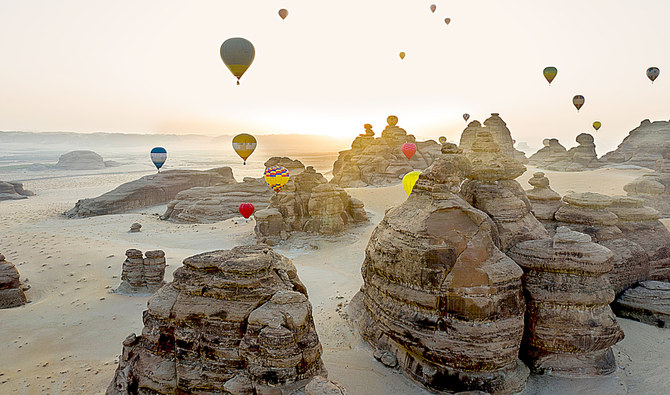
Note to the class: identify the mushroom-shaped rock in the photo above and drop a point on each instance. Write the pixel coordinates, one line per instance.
(544, 200)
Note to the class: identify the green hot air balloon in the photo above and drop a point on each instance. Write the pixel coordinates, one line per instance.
(550, 73)
(237, 54)
(597, 125)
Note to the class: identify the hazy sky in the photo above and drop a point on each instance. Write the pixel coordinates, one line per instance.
(331, 66)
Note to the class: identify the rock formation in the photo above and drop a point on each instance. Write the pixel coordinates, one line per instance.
(553, 156)
(654, 188)
(642, 146)
(142, 275)
(11, 293)
(500, 133)
(322, 386)
(491, 188)
(219, 202)
(570, 327)
(544, 200)
(380, 161)
(135, 227)
(294, 166)
(308, 203)
(80, 160)
(11, 190)
(440, 298)
(551, 152)
(649, 302)
(149, 190)
(235, 321)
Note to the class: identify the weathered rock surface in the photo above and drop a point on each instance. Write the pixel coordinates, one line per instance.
(80, 160)
(642, 146)
(654, 188)
(149, 190)
(11, 294)
(142, 275)
(135, 227)
(10, 190)
(219, 202)
(570, 326)
(553, 156)
(323, 386)
(544, 200)
(380, 161)
(294, 166)
(235, 321)
(439, 295)
(649, 302)
(500, 133)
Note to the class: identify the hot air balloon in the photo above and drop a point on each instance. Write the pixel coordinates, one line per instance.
(442, 139)
(550, 73)
(276, 177)
(597, 125)
(578, 101)
(447, 20)
(244, 144)
(546, 142)
(409, 181)
(158, 156)
(409, 149)
(283, 13)
(466, 116)
(402, 55)
(652, 73)
(433, 7)
(246, 209)
(237, 54)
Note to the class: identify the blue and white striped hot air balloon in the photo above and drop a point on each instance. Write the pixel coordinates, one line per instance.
(158, 156)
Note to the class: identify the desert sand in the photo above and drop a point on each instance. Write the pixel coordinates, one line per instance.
(68, 338)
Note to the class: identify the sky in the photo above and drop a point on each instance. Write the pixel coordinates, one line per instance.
(153, 66)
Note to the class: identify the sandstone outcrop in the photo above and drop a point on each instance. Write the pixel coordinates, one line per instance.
(294, 166)
(544, 200)
(642, 146)
(142, 275)
(11, 190)
(440, 299)
(380, 161)
(500, 133)
(551, 152)
(11, 293)
(649, 302)
(80, 160)
(553, 156)
(570, 327)
(219, 202)
(235, 321)
(654, 188)
(149, 190)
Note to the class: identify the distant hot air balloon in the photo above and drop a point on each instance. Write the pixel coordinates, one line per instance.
(466, 116)
(402, 55)
(409, 180)
(597, 125)
(578, 101)
(237, 54)
(158, 156)
(276, 177)
(433, 7)
(246, 209)
(244, 144)
(283, 13)
(442, 139)
(652, 73)
(409, 149)
(546, 142)
(550, 73)
(447, 20)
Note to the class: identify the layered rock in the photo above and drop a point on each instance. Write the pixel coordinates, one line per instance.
(294, 166)
(142, 275)
(235, 321)
(380, 161)
(80, 160)
(491, 188)
(11, 293)
(551, 152)
(570, 327)
(149, 190)
(654, 188)
(544, 200)
(553, 156)
(219, 202)
(642, 146)
(440, 298)
(12, 190)
(649, 302)
(500, 133)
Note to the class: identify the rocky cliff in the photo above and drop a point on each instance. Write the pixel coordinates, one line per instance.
(642, 146)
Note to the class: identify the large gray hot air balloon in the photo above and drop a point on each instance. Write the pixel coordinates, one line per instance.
(237, 54)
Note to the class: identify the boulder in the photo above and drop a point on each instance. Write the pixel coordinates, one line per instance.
(500, 133)
(235, 321)
(10, 190)
(11, 293)
(654, 188)
(142, 275)
(642, 146)
(135, 227)
(553, 156)
(544, 200)
(149, 190)
(80, 160)
(649, 302)
(322, 386)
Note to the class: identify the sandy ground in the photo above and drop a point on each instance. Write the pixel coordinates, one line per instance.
(68, 338)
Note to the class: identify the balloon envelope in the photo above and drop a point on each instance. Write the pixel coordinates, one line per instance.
(447, 20)
(244, 144)
(158, 156)
(409, 181)
(283, 13)
(237, 54)
(409, 149)
(276, 177)
(597, 125)
(550, 73)
(466, 116)
(652, 73)
(442, 139)
(246, 209)
(402, 55)
(578, 101)
(433, 7)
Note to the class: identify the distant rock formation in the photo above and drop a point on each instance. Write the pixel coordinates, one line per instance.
(142, 275)
(500, 133)
(218, 203)
(11, 293)
(11, 190)
(553, 156)
(654, 188)
(649, 302)
(135, 227)
(544, 200)
(80, 160)
(308, 203)
(235, 321)
(149, 190)
(642, 146)
(294, 166)
(379, 161)
(570, 327)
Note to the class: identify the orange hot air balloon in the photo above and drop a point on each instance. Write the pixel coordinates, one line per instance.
(402, 55)
(409, 149)
(433, 7)
(283, 13)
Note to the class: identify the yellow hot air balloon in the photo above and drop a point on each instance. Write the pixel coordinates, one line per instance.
(276, 177)
(410, 180)
(283, 13)
(237, 54)
(442, 139)
(597, 125)
(244, 144)
(402, 55)
(550, 73)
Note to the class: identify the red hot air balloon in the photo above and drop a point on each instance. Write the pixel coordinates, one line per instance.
(408, 149)
(246, 209)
